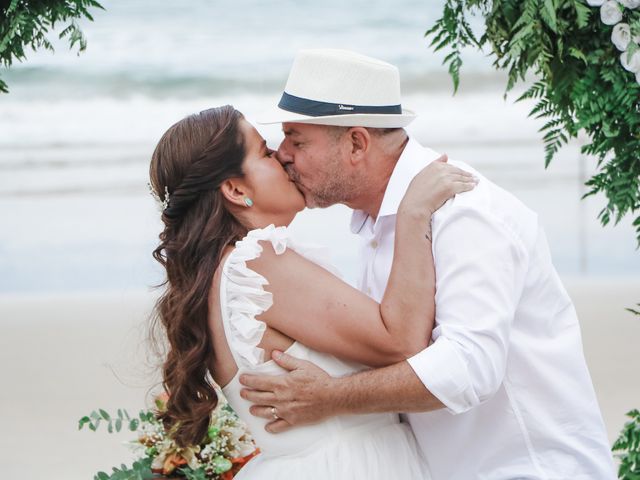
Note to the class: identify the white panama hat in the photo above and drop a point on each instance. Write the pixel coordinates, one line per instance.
(342, 88)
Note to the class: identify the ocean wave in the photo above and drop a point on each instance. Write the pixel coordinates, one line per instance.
(56, 83)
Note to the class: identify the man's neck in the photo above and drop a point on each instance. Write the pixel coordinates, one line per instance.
(383, 166)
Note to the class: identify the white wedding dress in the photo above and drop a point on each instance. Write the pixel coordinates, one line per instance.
(367, 447)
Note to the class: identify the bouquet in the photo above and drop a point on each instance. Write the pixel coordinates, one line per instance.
(226, 448)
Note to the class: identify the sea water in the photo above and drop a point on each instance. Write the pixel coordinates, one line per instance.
(77, 132)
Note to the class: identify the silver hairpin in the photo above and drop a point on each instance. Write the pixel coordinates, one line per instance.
(162, 204)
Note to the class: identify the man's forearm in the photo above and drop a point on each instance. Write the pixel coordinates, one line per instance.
(395, 388)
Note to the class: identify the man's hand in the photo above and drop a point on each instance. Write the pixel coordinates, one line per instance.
(300, 397)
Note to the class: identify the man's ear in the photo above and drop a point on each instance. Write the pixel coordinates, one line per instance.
(235, 191)
(360, 143)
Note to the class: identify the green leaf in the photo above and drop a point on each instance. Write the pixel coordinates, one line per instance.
(576, 53)
(133, 424)
(83, 421)
(548, 14)
(198, 474)
(583, 12)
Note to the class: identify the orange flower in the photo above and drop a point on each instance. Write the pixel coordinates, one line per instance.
(172, 462)
(161, 401)
(238, 463)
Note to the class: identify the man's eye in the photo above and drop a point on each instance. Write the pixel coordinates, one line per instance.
(297, 144)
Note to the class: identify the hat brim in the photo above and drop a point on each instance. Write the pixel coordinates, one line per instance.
(370, 120)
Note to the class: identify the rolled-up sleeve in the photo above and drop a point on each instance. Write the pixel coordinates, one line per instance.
(481, 266)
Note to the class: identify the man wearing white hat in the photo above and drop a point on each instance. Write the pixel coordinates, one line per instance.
(503, 392)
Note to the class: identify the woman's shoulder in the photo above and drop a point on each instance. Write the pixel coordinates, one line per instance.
(252, 245)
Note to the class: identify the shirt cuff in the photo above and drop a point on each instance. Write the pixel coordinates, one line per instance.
(444, 373)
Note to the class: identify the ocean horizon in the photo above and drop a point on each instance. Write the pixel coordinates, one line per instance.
(77, 132)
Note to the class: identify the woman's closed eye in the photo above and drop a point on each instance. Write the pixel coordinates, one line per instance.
(267, 152)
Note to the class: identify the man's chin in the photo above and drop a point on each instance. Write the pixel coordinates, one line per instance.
(315, 203)
(312, 201)
(309, 202)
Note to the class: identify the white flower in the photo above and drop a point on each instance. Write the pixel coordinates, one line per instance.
(633, 64)
(158, 462)
(247, 448)
(240, 442)
(630, 3)
(638, 78)
(621, 36)
(595, 3)
(193, 462)
(610, 12)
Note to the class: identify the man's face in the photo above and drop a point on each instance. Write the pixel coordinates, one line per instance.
(316, 159)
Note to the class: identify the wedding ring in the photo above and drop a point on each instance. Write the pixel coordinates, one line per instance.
(274, 414)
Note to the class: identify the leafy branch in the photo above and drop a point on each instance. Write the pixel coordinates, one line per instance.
(580, 85)
(95, 418)
(454, 32)
(140, 470)
(628, 443)
(25, 23)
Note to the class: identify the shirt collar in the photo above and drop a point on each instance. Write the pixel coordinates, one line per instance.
(414, 158)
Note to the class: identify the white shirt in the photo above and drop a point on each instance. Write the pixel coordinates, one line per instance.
(506, 358)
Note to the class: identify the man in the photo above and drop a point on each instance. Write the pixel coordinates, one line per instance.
(503, 392)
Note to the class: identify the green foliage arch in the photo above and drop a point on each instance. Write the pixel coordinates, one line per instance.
(580, 84)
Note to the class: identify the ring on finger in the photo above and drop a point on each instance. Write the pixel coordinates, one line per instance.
(274, 414)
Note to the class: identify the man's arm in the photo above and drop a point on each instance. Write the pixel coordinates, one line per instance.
(308, 394)
(481, 266)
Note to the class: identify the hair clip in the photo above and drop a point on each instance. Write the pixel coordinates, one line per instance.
(162, 204)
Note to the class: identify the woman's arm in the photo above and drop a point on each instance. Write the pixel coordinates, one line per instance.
(408, 305)
(321, 311)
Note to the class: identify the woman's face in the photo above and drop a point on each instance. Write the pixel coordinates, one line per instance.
(273, 193)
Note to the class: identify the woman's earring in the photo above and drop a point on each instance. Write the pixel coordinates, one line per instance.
(248, 202)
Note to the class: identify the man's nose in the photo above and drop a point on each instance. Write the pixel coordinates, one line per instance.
(283, 155)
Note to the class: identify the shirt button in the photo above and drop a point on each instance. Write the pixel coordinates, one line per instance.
(374, 244)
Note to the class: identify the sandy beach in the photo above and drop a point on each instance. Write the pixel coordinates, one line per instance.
(63, 356)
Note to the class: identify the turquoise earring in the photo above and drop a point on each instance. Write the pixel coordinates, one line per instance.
(248, 202)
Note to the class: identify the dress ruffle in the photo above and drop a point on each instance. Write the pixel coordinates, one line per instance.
(246, 297)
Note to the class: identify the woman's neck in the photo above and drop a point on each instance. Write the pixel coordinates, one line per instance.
(261, 220)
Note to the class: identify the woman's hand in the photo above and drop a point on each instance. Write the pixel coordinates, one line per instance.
(434, 185)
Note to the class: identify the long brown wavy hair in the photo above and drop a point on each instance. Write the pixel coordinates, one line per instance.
(191, 161)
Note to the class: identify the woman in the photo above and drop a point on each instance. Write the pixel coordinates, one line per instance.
(239, 287)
